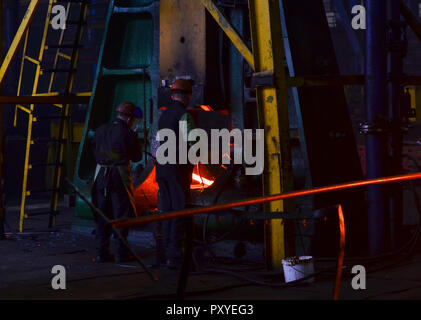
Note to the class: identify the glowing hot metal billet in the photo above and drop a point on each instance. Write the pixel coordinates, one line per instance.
(124, 223)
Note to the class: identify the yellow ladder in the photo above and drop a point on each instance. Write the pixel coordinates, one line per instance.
(64, 117)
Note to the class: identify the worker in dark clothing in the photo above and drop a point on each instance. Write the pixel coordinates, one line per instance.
(174, 179)
(115, 145)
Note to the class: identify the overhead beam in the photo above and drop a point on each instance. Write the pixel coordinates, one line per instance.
(229, 30)
(14, 47)
(70, 99)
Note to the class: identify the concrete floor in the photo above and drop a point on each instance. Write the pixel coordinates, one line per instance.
(27, 259)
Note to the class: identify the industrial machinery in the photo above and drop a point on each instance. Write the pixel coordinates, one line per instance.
(255, 64)
(147, 44)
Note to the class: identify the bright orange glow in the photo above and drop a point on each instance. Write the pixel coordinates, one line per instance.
(341, 253)
(200, 179)
(126, 222)
(205, 107)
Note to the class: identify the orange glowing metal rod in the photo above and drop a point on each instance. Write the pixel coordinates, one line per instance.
(341, 254)
(200, 179)
(123, 223)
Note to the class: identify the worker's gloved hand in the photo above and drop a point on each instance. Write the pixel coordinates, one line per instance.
(136, 126)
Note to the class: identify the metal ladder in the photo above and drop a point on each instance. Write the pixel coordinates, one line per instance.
(64, 117)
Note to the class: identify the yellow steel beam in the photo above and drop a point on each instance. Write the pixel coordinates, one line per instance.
(29, 15)
(268, 55)
(231, 33)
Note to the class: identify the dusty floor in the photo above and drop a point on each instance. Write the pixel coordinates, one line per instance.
(26, 261)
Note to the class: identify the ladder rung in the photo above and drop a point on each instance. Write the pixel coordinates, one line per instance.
(53, 117)
(64, 46)
(43, 190)
(24, 109)
(17, 139)
(42, 213)
(58, 70)
(65, 56)
(37, 140)
(41, 140)
(34, 61)
(76, 22)
(46, 164)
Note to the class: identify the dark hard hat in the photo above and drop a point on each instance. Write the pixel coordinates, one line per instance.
(182, 85)
(129, 109)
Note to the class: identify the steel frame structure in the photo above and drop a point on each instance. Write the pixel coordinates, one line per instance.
(61, 100)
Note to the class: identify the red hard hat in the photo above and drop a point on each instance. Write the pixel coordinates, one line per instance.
(182, 85)
(129, 109)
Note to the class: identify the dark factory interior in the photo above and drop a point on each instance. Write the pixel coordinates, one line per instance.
(333, 214)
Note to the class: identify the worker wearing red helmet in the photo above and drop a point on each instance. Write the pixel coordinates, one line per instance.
(174, 179)
(115, 145)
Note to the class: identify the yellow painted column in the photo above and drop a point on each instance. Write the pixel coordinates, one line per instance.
(272, 102)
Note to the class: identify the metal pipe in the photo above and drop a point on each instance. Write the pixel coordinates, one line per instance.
(124, 223)
(396, 55)
(376, 116)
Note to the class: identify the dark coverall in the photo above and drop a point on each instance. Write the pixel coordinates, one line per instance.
(174, 188)
(115, 145)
